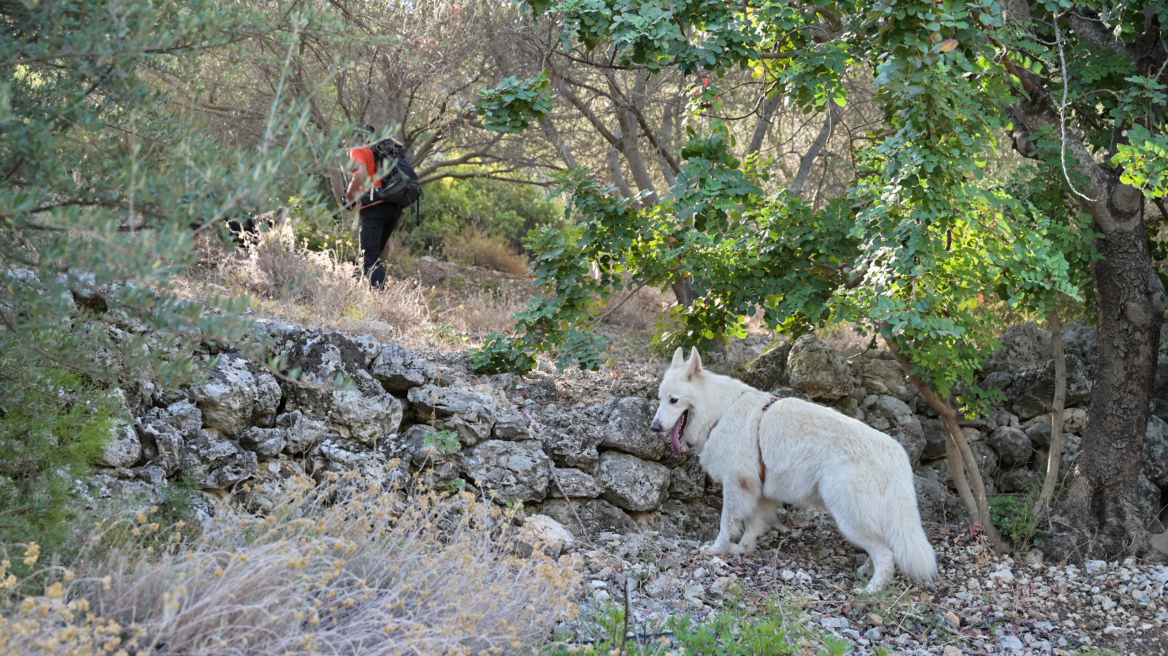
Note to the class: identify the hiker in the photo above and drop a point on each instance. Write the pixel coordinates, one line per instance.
(383, 185)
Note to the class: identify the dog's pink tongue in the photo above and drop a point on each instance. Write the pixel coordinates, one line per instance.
(675, 435)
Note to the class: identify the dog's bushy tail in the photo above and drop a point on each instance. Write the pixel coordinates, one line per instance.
(910, 546)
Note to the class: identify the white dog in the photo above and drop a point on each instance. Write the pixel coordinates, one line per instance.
(767, 452)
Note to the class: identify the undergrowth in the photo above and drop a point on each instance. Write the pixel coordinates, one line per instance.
(380, 572)
(735, 630)
(54, 425)
(324, 283)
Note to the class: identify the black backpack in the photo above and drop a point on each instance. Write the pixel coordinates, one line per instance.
(399, 186)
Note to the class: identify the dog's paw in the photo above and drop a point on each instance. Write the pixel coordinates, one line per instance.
(716, 549)
(782, 528)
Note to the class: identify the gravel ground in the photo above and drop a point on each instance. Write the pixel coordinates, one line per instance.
(982, 604)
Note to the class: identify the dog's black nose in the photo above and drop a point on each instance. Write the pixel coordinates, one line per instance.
(656, 427)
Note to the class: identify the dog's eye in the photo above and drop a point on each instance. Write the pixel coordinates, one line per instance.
(673, 401)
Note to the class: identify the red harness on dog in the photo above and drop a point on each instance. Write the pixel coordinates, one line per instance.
(761, 462)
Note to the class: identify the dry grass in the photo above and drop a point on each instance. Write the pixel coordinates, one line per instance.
(640, 312)
(378, 574)
(324, 286)
(485, 311)
(476, 248)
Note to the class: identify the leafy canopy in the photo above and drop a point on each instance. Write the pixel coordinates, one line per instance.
(931, 229)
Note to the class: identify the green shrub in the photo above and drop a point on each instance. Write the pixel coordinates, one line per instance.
(495, 207)
(53, 427)
(1014, 516)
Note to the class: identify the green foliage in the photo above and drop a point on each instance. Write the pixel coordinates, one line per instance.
(1144, 160)
(511, 106)
(107, 180)
(733, 631)
(927, 236)
(444, 441)
(53, 427)
(1014, 516)
(554, 323)
(494, 207)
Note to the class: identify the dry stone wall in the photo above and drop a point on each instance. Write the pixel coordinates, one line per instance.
(514, 439)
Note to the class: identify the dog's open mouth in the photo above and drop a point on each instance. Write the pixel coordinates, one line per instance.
(675, 434)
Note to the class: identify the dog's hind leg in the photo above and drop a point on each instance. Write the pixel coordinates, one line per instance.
(739, 500)
(765, 513)
(880, 558)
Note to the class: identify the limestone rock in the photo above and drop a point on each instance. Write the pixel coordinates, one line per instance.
(332, 459)
(469, 412)
(370, 346)
(364, 417)
(162, 444)
(575, 484)
(935, 437)
(183, 415)
(884, 376)
(1012, 445)
(542, 533)
(597, 514)
(421, 448)
(1017, 480)
(892, 416)
(935, 503)
(270, 485)
(626, 428)
(1155, 466)
(1080, 340)
(512, 471)
(687, 480)
(571, 439)
(1032, 392)
(363, 412)
(690, 520)
(239, 395)
(815, 369)
(302, 432)
(1149, 497)
(123, 448)
(396, 368)
(266, 443)
(987, 461)
(512, 425)
(998, 380)
(214, 463)
(1023, 345)
(1039, 432)
(769, 370)
(632, 483)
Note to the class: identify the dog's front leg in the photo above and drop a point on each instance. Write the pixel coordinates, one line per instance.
(739, 499)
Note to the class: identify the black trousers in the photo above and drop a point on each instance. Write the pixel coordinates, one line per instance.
(377, 224)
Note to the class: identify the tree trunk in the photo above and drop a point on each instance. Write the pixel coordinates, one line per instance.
(618, 176)
(684, 292)
(1056, 414)
(762, 127)
(557, 140)
(1102, 504)
(813, 151)
(962, 464)
(1101, 509)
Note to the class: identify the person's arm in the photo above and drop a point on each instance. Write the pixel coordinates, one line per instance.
(357, 185)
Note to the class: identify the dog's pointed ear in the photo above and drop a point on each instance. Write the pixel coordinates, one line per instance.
(695, 364)
(678, 357)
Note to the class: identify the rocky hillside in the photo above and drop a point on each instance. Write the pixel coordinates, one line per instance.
(596, 484)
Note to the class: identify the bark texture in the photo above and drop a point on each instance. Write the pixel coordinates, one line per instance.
(1102, 505)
